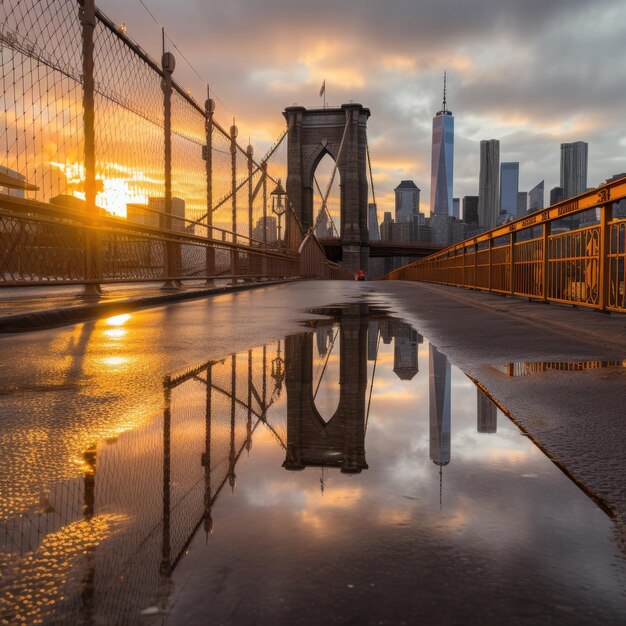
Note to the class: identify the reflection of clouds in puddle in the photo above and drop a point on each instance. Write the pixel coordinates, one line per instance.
(290, 495)
(284, 494)
(396, 396)
(394, 517)
(409, 472)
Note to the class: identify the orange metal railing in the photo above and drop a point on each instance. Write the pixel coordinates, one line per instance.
(572, 252)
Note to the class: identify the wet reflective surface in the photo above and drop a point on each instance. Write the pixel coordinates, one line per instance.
(527, 368)
(345, 474)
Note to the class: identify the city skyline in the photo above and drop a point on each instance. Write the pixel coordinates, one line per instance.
(531, 116)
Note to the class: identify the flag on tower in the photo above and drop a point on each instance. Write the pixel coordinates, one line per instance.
(323, 88)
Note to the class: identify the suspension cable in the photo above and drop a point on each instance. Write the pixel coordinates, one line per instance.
(241, 185)
(369, 162)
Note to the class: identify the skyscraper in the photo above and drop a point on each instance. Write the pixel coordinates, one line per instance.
(456, 208)
(574, 168)
(556, 195)
(489, 183)
(323, 226)
(535, 198)
(407, 201)
(386, 227)
(442, 163)
(470, 210)
(522, 203)
(509, 186)
(372, 223)
(619, 208)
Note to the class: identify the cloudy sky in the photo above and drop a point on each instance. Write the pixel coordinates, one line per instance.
(531, 73)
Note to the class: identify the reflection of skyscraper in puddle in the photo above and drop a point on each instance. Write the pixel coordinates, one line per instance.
(486, 413)
(439, 407)
(324, 338)
(406, 340)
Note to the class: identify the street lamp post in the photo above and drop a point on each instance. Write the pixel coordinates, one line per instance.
(278, 205)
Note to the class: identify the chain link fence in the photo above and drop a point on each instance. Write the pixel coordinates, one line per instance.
(110, 171)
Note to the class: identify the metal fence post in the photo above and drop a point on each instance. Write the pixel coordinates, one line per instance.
(489, 265)
(249, 154)
(512, 240)
(168, 63)
(93, 260)
(234, 255)
(209, 109)
(475, 281)
(606, 215)
(545, 275)
(264, 175)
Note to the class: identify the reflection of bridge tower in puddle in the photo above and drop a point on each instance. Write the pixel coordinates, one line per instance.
(439, 410)
(340, 442)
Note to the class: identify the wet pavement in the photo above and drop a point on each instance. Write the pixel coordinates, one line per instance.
(246, 459)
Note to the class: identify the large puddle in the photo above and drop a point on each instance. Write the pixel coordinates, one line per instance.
(348, 474)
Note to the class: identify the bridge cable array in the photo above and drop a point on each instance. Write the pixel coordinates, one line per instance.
(334, 172)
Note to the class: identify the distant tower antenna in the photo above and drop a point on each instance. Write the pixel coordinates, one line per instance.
(444, 91)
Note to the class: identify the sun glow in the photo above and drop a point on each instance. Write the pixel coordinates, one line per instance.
(113, 193)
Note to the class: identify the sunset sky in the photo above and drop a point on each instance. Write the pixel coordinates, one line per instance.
(532, 74)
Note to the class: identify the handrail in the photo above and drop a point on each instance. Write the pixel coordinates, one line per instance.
(609, 192)
(584, 266)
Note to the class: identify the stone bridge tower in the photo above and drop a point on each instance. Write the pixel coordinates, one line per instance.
(313, 134)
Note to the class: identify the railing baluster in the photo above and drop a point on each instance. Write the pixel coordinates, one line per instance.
(606, 215)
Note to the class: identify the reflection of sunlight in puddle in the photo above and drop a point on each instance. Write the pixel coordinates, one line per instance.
(114, 361)
(115, 333)
(118, 320)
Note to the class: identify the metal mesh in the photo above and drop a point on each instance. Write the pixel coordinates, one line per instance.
(188, 166)
(129, 128)
(41, 134)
